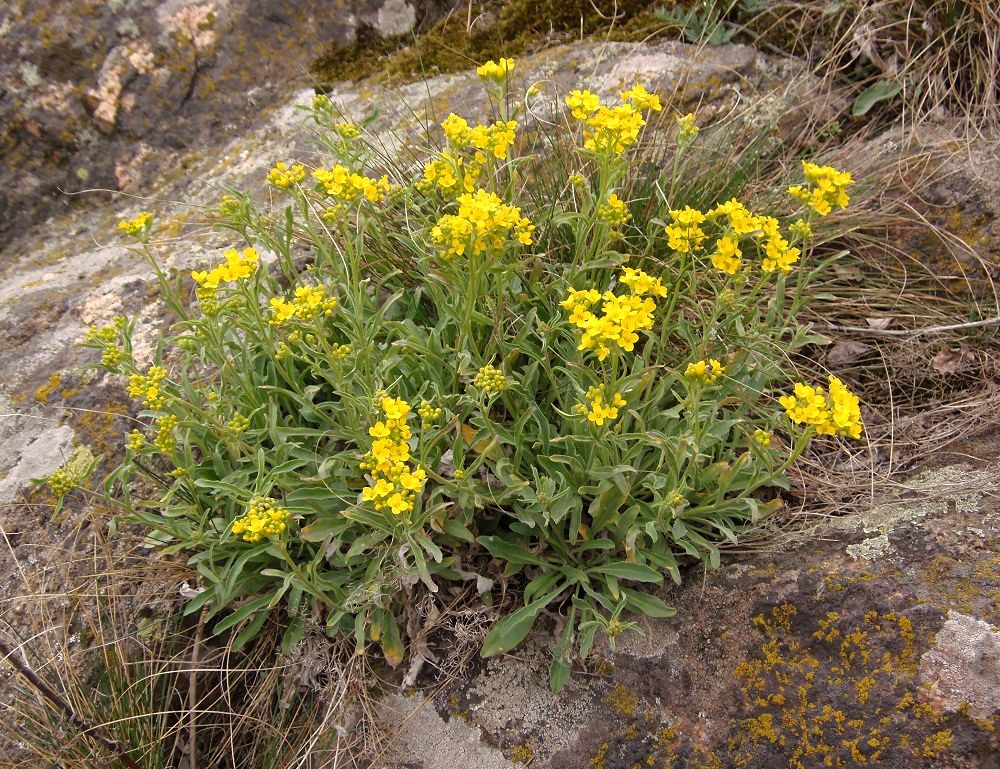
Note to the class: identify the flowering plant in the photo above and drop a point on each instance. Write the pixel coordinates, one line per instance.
(398, 381)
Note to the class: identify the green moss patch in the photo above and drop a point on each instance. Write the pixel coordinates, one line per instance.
(486, 31)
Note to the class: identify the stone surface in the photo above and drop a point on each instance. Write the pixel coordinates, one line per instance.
(87, 88)
(963, 666)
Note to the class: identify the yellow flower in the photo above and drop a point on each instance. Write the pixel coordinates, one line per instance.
(826, 188)
(614, 129)
(599, 412)
(136, 440)
(137, 225)
(496, 70)
(685, 234)
(705, 370)
(778, 253)
(393, 484)
(483, 224)
(263, 518)
(614, 211)
(456, 129)
(582, 104)
(641, 98)
(642, 284)
(284, 176)
(347, 186)
(727, 255)
(741, 220)
(843, 412)
(490, 380)
(237, 266)
(686, 129)
(807, 405)
(621, 318)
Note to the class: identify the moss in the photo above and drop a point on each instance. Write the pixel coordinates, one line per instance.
(849, 697)
(624, 701)
(517, 26)
(43, 393)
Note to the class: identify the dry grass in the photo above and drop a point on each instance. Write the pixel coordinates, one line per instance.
(945, 54)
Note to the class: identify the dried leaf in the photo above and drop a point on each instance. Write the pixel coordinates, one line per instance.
(953, 361)
(879, 323)
(852, 274)
(846, 351)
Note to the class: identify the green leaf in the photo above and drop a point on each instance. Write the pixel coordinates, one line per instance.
(873, 94)
(292, 635)
(647, 604)
(241, 613)
(513, 628)
(248, 633)
(637, 572)
(508, 551)
(559, 674)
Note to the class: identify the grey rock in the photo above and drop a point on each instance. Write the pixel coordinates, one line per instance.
(963, 666)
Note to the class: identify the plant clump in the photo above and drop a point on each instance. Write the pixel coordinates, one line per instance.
(459, 379)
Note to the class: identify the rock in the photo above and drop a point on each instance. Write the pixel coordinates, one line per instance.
(40, 454)
(962, 669)
(175, 76)
(434, 743)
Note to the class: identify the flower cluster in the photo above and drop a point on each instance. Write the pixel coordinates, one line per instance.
(835, 413)
(778, 253)
(611, 129)
(309, 303)
(263, 518)
(460, 167)
(236, 266)
(428, 413)
(640, 98)
(137, 225)
(727, 257)
(621, 317)
(487, 141)
(483, 223)
(165, 440)
(496, 70)
(762, 438)
(393, 484)
(490, 379)
(348, 186)
(285, 177)
(596, 410)
(147, 386)
(614, 212)
(826, 187)
(62, 482)
(685, 234)
(449, 173)
(106, 339)
(238, 425)
(686, 130)
(136, 441)
(704, 370)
